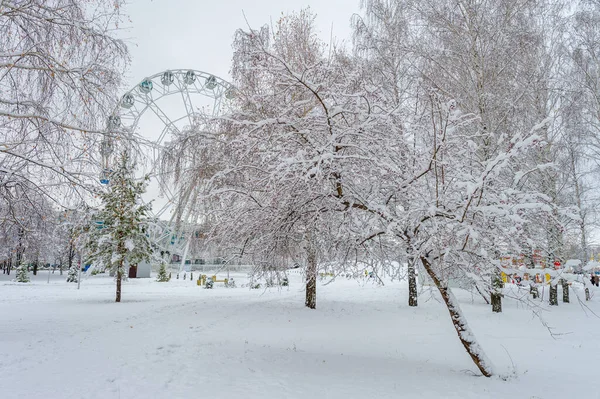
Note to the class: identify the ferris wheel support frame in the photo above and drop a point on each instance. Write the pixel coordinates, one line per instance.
(143, 97)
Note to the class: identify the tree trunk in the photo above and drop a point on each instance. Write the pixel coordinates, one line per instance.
(496, 294)
(412, 283)
(311, 279)
(465, 335)
(553, 295)
(496, 302)
(533, 290)
(119, 278)
(565, 288)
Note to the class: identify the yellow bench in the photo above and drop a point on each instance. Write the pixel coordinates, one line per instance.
(527, 276)
(203, 278)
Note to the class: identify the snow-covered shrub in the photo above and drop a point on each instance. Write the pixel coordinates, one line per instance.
(22, 273)
(162, 274)
(72, 276)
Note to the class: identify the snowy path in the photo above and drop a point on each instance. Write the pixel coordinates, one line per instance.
(176, 340)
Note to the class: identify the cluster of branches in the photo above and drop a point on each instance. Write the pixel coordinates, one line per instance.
(452, 133)
(60, 66)
(35, 232)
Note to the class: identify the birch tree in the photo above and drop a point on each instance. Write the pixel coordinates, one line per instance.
(321, 155)
(60, 67)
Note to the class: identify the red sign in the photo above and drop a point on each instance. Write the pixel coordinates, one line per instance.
(557, 264)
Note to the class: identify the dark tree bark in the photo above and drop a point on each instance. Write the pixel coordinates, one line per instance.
(412, 283)
(311, 280)
(496, 300)
(565, 288)
(496, 294)
(553, 295)
(119, 278)
(533, 290)
(465, 335)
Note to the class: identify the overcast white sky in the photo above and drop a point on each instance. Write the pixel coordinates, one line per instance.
(197, 34)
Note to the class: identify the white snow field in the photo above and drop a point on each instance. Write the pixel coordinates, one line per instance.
(178, 340)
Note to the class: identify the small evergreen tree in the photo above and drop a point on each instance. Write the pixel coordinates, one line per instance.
(162, 274)
(73, 274)
(22, 273)
(122, 237)
(230, 283)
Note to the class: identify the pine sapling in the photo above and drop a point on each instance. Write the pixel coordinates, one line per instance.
(22, 273)
(162, 274)
(123, 239)
(72, 275)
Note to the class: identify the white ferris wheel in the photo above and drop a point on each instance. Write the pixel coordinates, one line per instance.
(152, 111)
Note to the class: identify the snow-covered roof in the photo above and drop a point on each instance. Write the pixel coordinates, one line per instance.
(591, 265)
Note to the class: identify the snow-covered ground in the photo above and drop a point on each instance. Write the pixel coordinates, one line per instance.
(178, 340)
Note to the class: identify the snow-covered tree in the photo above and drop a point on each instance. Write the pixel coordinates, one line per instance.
(297, 151)
(325, 162)
(22, 273)
(118, 238)
(60, 67)
(162, 276)
(73, 274)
